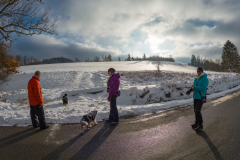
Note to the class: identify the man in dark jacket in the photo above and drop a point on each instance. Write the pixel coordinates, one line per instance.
(113, 88)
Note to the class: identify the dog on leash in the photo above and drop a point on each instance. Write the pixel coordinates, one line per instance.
(88, 119)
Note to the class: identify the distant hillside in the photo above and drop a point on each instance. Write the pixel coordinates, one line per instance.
(52, 60)
(57, 60)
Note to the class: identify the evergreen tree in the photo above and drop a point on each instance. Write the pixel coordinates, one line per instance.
(193, 60)
(109, 57)
(129, 57)
(144, 56)
(230, 57)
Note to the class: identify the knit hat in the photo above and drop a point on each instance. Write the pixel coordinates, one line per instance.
(112, 70)
(200, 69)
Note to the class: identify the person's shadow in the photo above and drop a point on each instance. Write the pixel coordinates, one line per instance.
(211, 145)
(88, 148)
(17, 137)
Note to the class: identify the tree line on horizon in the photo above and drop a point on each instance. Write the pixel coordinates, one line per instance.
(150, 58)
(229, 62)
(104, 58)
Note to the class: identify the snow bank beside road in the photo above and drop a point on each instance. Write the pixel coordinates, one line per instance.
(142, 91)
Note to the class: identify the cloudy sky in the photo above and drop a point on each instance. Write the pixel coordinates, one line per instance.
(155, 27)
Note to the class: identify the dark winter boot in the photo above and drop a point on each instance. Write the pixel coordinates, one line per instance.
(108, 121)
(199, 127)
(195, 125)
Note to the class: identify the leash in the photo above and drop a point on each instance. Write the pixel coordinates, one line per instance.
(101, 101)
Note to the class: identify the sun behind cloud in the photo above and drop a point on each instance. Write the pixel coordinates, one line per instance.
(154, 43)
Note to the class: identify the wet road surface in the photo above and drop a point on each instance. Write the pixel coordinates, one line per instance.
(167, 135)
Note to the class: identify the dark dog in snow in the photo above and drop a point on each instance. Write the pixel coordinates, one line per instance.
(65, 99)
(88, 119)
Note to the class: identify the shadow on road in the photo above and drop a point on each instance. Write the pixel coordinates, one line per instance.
(89, 148)
(56, 153)
(15, 135)
(211, 145)
(17, 139)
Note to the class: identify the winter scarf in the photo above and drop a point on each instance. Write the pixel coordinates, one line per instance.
(200, 76)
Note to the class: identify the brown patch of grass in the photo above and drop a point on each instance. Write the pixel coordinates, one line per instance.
(4, 100)
(22, 101)
(168, 95)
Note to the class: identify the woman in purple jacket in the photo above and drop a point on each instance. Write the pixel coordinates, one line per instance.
(112, 88)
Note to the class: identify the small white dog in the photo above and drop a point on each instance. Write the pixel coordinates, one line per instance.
(88, 119)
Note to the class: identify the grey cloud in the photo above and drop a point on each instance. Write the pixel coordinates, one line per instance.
(41, 47)
(199, 23)
(154, 22)
(219, 34)
(212, 52)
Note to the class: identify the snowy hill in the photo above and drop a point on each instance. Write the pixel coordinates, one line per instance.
(143, 89)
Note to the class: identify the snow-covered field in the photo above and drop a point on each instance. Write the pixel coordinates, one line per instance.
(143, 89)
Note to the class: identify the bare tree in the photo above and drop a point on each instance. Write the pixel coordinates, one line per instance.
(35, 61)
(96, 59)
(77, 59)
(31, 59)
(87, 60)
(158, 65)
(24, 60)
(19, 59)
(103, 58)
(28, 61)
(3, 55)
(24, 17)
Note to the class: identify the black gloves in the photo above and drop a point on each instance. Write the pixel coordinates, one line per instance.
(189, 91)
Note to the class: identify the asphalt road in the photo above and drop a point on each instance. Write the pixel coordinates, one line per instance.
(167, 135)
